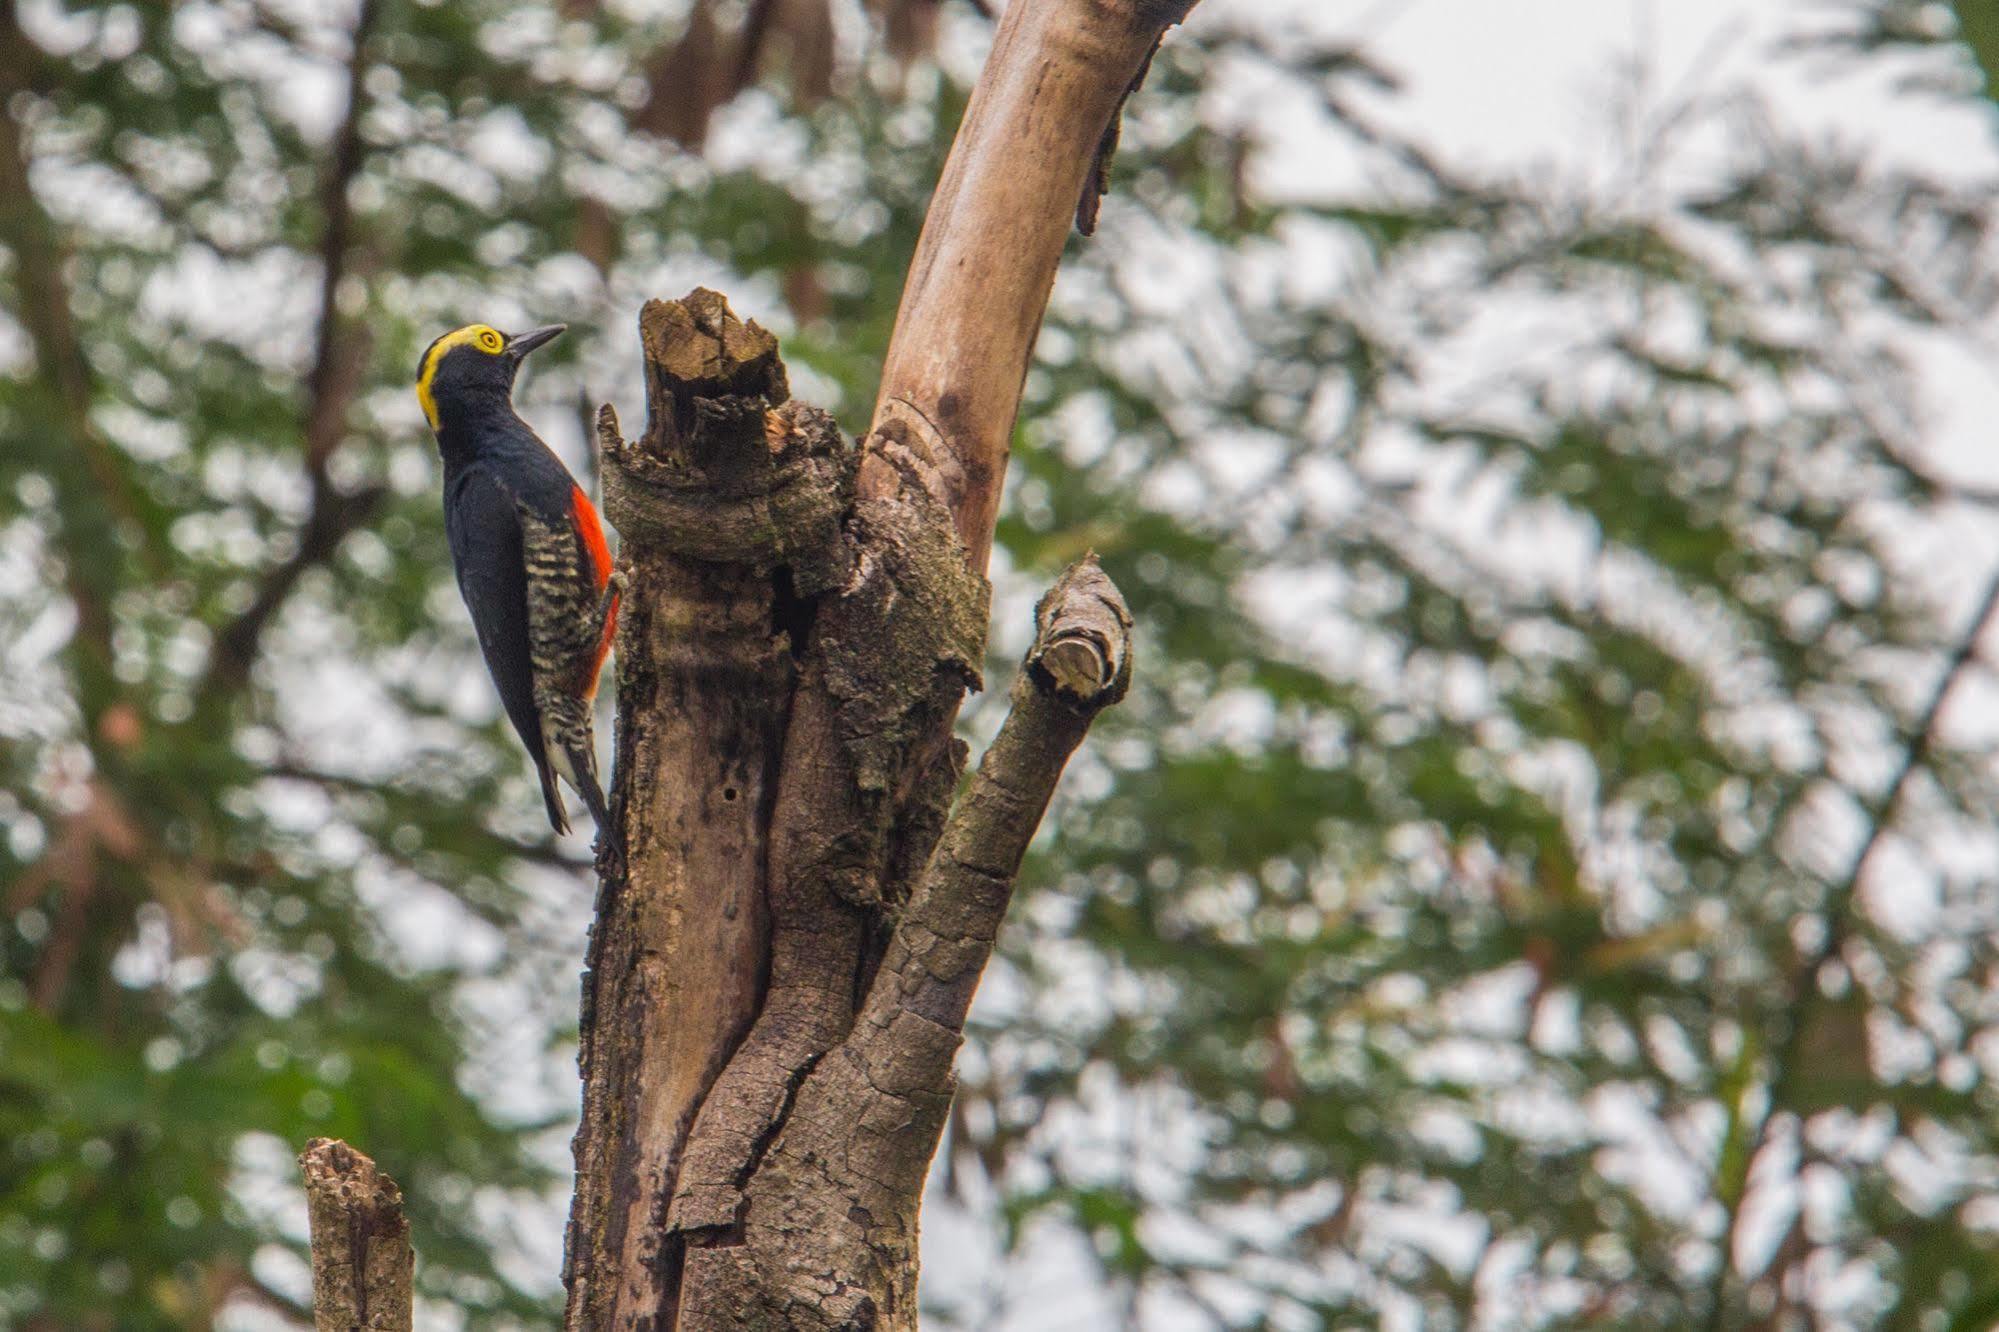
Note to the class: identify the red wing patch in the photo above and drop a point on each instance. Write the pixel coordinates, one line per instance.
(591, 529)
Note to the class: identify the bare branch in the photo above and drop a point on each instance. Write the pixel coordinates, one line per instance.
(979, 283)
(1920, 740)
(333, 517)
(1080, 664)
(361, 1259)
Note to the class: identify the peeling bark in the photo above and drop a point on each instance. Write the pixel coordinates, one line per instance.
(679, 951)
(828, 1237)
(790, 930)
(361, 1261)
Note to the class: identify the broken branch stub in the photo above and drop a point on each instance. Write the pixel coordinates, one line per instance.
(729, 469)
(361, 1259)
(729, 508)
(1080, 664)
(1082, 642)
(698, 352)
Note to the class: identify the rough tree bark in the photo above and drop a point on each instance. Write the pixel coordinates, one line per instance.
(361, 1261)
(780, 966)
(793, 913)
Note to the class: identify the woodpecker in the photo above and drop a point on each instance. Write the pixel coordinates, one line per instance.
(529, 552)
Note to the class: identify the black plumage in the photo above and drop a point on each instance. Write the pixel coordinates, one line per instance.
(529, 553)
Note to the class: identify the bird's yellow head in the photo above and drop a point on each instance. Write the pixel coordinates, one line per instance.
(473, 358)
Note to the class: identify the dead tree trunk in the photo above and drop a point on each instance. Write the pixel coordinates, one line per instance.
(767, 1070)
(794, 913)
(779, 976)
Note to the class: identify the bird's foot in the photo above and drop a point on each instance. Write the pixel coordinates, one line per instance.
(610, 856)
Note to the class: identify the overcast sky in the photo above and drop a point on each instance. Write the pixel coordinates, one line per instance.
(1523, 84)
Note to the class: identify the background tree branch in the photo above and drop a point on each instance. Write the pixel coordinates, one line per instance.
(77, 451)
(340, 352)
(1805, 1003)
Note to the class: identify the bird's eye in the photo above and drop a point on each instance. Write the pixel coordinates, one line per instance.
(489, 340)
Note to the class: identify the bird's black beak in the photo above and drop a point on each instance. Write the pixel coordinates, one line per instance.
(521, 344)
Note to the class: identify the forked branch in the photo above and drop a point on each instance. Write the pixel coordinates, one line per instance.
(780, 976)
(827, 1235)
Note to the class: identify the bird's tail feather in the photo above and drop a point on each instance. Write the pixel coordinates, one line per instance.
(551, 795)
(584, 763)
(583, 776)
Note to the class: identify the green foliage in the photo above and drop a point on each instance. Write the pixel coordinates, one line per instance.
(1504, 748)
(1978, 25)
(1463, 919)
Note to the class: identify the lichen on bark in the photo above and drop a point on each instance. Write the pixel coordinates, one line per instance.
(801, 647)
(782, 1189)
